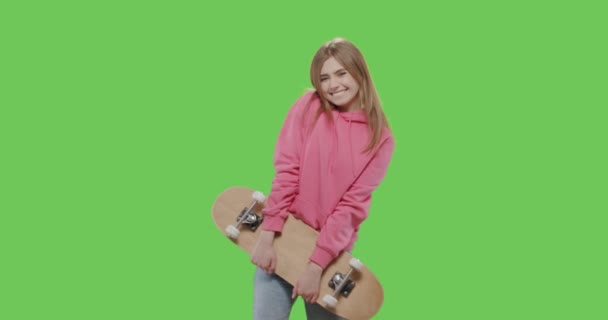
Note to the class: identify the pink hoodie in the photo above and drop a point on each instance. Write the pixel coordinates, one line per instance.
(323, 177)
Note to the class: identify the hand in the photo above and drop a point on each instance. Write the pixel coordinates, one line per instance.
(264, 255)
(308, 284)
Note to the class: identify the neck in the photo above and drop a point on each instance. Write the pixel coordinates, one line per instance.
(353, 106)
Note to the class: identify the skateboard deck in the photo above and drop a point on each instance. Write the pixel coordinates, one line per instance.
(237, 214)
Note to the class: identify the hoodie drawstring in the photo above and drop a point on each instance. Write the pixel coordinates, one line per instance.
(334, 146)
(352, 156)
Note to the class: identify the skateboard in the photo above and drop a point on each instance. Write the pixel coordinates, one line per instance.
(348, 288)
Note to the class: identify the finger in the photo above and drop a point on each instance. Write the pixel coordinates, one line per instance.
(273, 264)
(312, 298)
(264, 266)
(293, 293)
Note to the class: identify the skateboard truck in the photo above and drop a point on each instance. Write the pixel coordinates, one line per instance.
(247, 217)
(337, 279)
(342, 284)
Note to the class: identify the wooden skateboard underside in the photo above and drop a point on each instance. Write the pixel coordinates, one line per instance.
(293, 247)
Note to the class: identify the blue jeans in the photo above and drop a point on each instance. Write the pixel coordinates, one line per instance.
(272, 300)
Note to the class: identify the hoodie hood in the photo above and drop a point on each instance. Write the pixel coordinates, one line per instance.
(353, 116)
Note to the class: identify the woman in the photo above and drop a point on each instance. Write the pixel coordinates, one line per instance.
(332, 152)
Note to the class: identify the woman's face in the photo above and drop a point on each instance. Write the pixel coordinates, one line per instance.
(338, 86)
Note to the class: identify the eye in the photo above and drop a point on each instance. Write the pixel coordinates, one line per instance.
(323, 79)
(342, 73)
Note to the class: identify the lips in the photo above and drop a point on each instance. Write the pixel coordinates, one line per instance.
(337, 93)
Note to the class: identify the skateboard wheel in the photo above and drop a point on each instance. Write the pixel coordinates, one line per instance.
(356, 264)
(232, 232)
(258, 197)
(330, 301)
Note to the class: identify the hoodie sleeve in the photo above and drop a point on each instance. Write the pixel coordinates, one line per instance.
(352, 209)
(287, 166)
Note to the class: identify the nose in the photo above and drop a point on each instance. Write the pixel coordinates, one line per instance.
(333, 83)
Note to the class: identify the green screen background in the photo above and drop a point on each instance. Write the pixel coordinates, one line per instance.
(121, 121)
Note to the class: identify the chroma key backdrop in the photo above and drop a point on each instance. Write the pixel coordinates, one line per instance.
(121, 121)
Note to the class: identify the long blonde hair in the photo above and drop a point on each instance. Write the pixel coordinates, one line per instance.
(349, 56)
